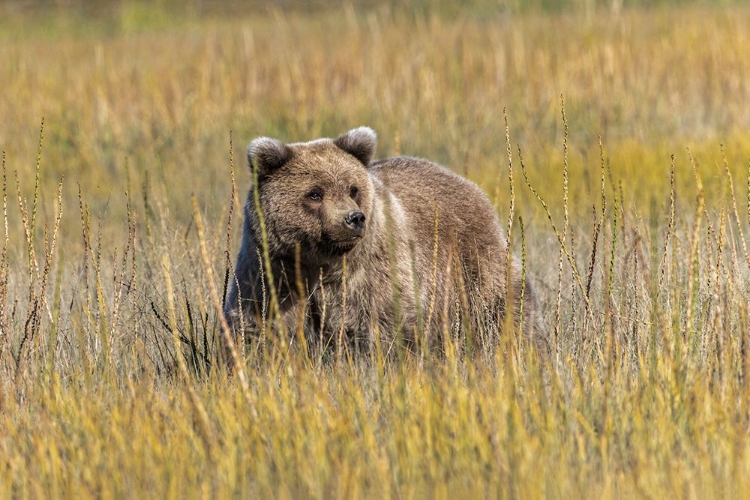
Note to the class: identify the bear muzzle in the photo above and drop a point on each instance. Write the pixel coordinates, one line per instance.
(355, 221)
(344, 236)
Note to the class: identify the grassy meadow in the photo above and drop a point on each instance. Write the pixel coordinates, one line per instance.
(614, 140)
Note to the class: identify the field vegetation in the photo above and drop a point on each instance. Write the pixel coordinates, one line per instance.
(613, 137)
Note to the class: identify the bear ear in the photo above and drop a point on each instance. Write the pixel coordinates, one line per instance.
(267, 154)
(359, 142)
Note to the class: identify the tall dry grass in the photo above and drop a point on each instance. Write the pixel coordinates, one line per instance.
(628, 200)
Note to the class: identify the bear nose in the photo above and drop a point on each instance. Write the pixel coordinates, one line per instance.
(355, 221)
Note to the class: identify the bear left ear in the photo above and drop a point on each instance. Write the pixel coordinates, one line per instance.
(360, 143)
(267, 154)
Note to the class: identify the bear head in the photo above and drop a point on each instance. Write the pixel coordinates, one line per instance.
(317, 194)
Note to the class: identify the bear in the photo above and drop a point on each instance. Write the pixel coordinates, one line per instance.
(398, 253)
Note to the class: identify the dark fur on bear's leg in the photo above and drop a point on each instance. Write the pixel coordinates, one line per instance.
(329, 199)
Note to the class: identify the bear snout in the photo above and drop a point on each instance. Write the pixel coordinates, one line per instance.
(355, 221)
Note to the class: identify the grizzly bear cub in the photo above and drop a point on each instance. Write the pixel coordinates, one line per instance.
(401, 249)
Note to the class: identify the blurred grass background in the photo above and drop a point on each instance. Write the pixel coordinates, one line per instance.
(128, 88)
(647, 391)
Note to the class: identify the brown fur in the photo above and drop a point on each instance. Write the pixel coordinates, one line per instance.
(397, 282)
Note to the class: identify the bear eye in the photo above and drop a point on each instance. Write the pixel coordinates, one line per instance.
(315, 195)
(353, 192)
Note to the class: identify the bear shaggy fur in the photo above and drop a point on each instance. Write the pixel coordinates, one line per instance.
(401, 248)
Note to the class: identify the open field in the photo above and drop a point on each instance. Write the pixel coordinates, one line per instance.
(123, 133)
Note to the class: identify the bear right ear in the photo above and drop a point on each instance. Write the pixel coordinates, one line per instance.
(267, 154)
(359, 142)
